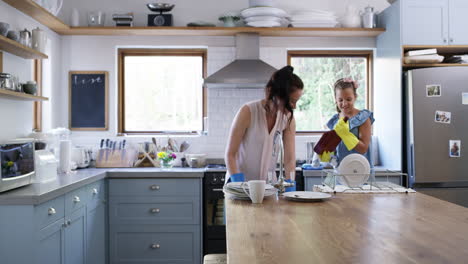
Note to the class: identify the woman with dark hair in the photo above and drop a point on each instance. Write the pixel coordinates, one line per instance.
(249, 152)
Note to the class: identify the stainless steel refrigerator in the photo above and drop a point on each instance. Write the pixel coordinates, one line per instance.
(436, 124)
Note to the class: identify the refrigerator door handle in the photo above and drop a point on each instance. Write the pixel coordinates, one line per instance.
(411, 169)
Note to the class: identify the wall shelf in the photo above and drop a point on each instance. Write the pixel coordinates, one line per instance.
(39, 13)
(21, 96)
(18, 49)
(426, 65)
(441, 50)
(222, 31)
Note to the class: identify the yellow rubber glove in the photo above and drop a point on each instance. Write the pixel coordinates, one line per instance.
(348, 138)
(326, 156)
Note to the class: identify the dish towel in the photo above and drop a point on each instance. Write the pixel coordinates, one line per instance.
(376, 188)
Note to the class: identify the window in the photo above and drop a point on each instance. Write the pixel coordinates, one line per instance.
(161, 90)
(319, 70)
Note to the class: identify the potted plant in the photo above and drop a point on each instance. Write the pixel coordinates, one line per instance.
(229, 19)
(166, 159)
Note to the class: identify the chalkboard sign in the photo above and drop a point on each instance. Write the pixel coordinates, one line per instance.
(88, 94)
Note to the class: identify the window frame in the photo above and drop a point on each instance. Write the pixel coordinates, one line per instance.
(126, 52)
(368, 54)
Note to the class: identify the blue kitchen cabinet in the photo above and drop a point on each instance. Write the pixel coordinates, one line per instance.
(50, 244)
(75, 232)
(155, 220)
(69, 229)
(434, 22)
(425, 22)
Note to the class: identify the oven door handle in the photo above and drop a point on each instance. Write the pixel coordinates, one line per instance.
(217, 190)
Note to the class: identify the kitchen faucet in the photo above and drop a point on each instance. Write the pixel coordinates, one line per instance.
(281, 184)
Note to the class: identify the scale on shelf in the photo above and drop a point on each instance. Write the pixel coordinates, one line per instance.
(160, 19)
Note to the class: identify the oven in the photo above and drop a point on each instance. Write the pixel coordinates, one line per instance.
(214, 224)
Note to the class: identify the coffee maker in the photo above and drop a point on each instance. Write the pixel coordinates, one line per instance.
(160, 19)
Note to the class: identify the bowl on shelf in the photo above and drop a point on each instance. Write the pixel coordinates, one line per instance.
(30, 87)
(4, 27)
(13, 35)
(160, 7)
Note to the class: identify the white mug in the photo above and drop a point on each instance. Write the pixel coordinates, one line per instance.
(256, 190)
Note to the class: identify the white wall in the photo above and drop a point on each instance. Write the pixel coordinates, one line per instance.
(99, 53)
(207, 10)
(17, 116)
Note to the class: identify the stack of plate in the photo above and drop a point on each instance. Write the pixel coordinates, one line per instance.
(314, 18)
(265, 16)
(302, 196)
(234, 190)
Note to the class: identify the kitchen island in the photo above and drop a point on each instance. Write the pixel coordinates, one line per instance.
(348, 228)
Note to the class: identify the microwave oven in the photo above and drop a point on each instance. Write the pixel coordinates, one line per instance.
(17, 163)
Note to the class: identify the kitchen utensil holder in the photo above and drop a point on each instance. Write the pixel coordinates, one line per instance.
(118, 158)
(147, 156)
(330, 177)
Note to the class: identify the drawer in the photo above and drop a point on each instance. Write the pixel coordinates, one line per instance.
(95, 194)
(155, 244)
(49, 212)
(155, 187)
(154, 210)
(75, 200)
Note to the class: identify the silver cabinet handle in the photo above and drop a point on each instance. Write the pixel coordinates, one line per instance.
(95, 191)
(451, 40)
(445, 40)
(68, 222)
(51, 211)
(76, 199)
(154, 187)
(155, 246)
(154, 210)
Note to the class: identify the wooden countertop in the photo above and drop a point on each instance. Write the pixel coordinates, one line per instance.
(348, 228)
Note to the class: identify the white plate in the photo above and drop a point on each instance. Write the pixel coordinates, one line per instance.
(263, 18)
(312, 25)
(238, 185)
(306, 196)
(264, 24)
(263, 11)
(313, 12)
(355, 170)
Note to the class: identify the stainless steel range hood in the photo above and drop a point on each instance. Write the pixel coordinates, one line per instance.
(247, 71)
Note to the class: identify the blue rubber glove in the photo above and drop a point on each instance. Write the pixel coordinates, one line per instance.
(290, 189)
(238, 177)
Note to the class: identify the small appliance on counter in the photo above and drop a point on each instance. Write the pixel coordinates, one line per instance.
(160, 19)
(46, 166)
(81, 157)
(17, 163)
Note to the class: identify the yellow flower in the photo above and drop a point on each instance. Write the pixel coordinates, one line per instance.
(162, 155)
(10, 163)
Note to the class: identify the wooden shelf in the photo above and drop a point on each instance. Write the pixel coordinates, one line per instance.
(38, 13)
(222, 31)
(426, 65)
(449, 49)
(21, 96)
(18, 49)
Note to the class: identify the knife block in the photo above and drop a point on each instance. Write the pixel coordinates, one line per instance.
(119, 158)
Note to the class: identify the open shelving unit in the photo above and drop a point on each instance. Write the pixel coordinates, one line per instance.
(20, 50)
(441, 50)
(37, 12)
(223, 31)
(21, 96)
(40, 14)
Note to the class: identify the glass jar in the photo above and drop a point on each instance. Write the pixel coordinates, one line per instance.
(166, 164)
(5, 81)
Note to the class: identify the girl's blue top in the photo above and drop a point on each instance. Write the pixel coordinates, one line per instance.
(354, 123)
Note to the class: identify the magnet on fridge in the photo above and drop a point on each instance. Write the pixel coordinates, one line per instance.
(433, 90)
(443, 117)
(455, 148)
(465, 98)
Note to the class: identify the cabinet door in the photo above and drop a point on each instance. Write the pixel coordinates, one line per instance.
(75, 232)
(50, 244)
(96, 250)
(457, 22)
(425, 22)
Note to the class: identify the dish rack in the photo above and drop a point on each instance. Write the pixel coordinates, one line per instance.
(332, 179)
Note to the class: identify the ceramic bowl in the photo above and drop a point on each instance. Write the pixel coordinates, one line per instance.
(4, 27)
(30, 88)
(13, 35)
(160, 7)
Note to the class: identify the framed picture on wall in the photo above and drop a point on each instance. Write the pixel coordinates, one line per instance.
(88, 100)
